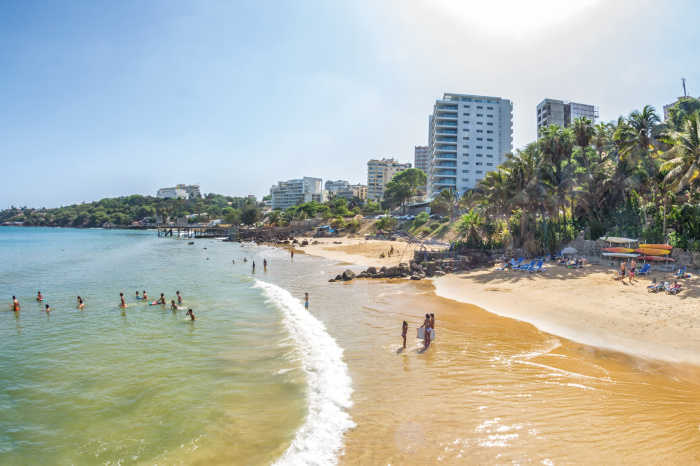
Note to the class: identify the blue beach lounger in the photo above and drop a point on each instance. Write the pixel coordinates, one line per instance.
(645, 270)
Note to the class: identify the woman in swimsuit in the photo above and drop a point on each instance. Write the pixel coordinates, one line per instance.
(426, 333)
(173, 305)
(80, 303)
(404, 331)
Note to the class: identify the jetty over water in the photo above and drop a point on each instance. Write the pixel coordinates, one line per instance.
(197, 231)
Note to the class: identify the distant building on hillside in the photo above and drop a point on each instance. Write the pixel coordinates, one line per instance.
(182, 191)
(563, 113)
(286, 194)
(333, 186)
(420, 158)
(353, 190)
(468, 135)
(671, 105)
(379, 173)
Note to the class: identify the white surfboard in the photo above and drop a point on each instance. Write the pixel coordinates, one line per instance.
(619, 254)
(618, 239)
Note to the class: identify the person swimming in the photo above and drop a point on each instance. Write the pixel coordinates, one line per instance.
(47, 308)
(15, 304)
(137, 295)
(80, 303)
(179, 298)
(173, 305)
(123, 303)
(245, 259)
(161, 300)
(189, 313)
(39, 297)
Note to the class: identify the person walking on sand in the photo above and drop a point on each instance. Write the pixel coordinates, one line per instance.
(404, 331)
(426, 331)
(306, 300)
(80, 303)
(15, 304)
(189, 313)
(633, 271)
(432, 325)
(179, 298)
(123, 303)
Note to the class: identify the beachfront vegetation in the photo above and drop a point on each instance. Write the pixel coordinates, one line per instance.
(635, 177)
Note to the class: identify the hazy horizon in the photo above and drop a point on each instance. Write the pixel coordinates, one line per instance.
(106, 100)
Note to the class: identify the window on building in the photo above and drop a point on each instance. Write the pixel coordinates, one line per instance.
(465, 99)
(479, 155)
(489, 140)
(465, 171)
(488, 124)
(480, 123)
(466, 138)
(478, 100)
(489, 164)
(489, 147)
(466, 146)
(489, 116)
(479, 107)
(489, 156)
(465, 163)
(479, 114)
(465, 122)
(489, 132)
(479, 147)
(479, 172)
(465, 179)
(466, 130)
(479, 130)
(465, 114)
(479, 139)
(489, 108)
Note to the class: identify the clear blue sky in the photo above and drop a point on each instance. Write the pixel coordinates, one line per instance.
(103, 98)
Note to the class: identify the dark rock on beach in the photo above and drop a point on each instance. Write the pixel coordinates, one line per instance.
(348, 275)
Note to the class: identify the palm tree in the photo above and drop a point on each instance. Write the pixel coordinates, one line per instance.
(583, 132)
(685, 166)
(603, 138)
(442, 203)
(274, 217)
(493, 192)
(635, 137)
(471, 222)
(556, 145)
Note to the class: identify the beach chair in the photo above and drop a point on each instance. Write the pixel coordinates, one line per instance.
(645, 270)
(673, 289)
(680, 273)
(526, 267)
(537, 267)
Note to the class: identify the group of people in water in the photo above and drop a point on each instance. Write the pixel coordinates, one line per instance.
(16, 306)
(428, 325)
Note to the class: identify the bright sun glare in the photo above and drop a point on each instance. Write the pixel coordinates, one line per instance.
(516, 18)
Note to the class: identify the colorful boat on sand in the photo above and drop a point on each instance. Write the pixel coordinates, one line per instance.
(625, 250)
(653, 252)
(656, 246)
(620, 254)
(618, 239)
(655, 258)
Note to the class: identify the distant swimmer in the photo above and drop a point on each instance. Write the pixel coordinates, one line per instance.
(47, 308)
(179, 298)
(144, 295)
(161, 300)
(189, 313)
(245, 260)
(173, 305)
(292, 253)
(306, 300)
(264, 263)
(137, 295)
(15, 304)
(253, 266)
(39, 297)
(234, 261)
(123, 304)
(404, 331)
(80, 303)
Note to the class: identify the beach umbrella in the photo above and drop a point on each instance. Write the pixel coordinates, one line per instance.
(569, 251)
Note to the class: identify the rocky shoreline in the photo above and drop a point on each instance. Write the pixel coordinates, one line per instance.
(412, 270)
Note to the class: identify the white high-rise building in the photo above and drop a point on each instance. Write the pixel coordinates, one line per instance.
(468, 136)
(379, 173)
(285, 194)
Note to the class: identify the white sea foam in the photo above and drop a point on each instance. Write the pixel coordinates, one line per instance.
(320, 438)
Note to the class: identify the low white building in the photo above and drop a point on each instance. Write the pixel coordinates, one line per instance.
(183, 191)
(286, 194)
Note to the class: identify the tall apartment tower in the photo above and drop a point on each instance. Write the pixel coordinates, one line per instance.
(420, 158)
(468, 136)
(562, 113)
(379, 173)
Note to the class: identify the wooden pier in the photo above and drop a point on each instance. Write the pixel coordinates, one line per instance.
(197, 232)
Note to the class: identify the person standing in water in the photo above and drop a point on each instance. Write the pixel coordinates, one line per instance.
(173, 305)
(292, 253)
(426, 331)
(15, 304)
(306, 300)
(39, 297)
(137, 295)
(161, 300)
(179, 298)
(47, 308)
(404, 331)
(432, 325)
(80, 303)
(264, 263)
(123, 304)
(253, 266)
(189, 313)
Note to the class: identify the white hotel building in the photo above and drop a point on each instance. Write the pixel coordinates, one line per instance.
(286, 194)
(468, 136)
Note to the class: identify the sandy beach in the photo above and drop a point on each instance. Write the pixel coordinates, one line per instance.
(583, 305)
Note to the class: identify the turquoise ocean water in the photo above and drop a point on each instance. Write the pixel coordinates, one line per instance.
(256, 379)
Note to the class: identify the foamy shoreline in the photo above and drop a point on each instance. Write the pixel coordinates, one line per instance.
(582, 305)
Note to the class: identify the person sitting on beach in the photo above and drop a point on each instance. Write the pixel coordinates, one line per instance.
(39, 297)
(15, 304)
(47, 308)
(189, 313)
(173, 305)
(161, 300)
(123, 304)
(179, 298)
(80, 303)
(426, 331)
(404, 331)
(382, 256)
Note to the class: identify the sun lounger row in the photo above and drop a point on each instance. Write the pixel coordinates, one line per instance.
(669, 288)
